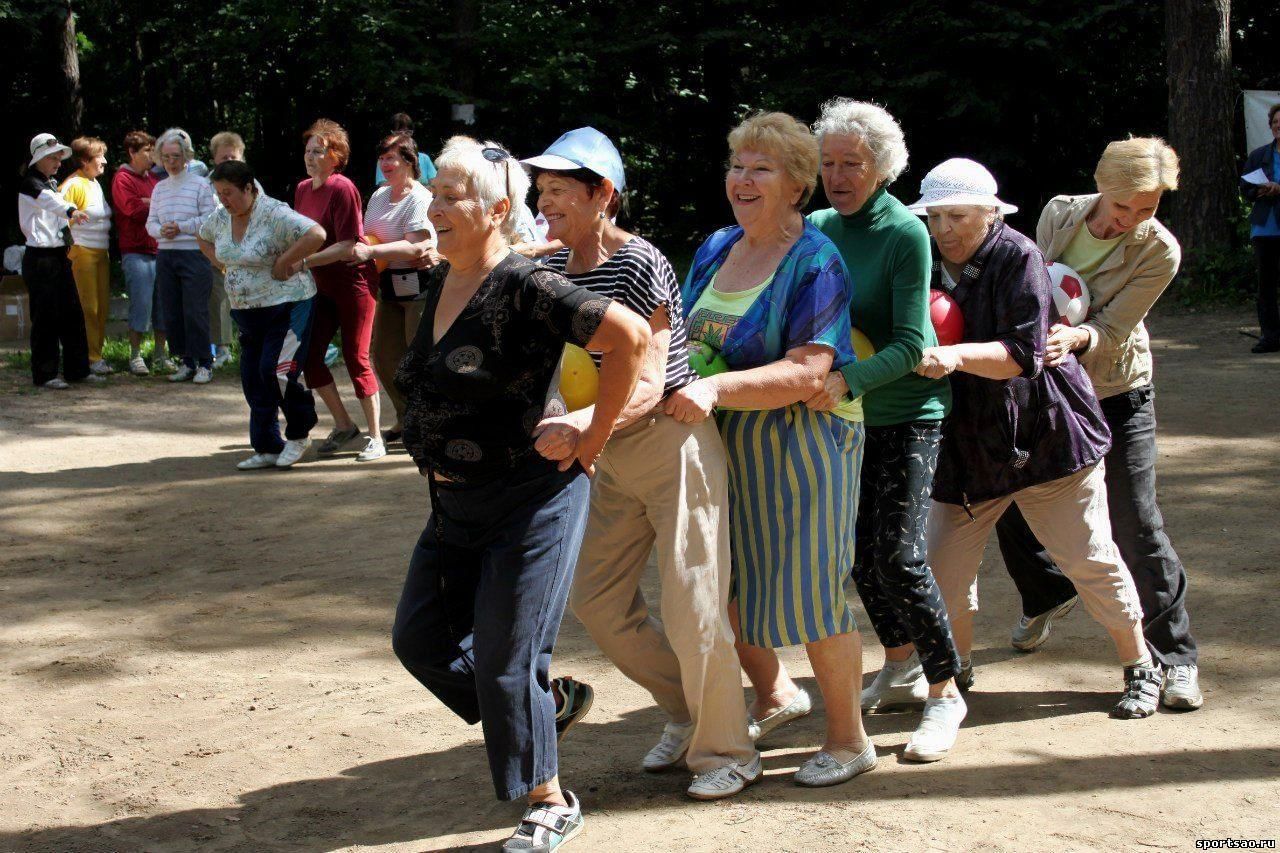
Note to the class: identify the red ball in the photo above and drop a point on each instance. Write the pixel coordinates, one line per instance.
(947, 320)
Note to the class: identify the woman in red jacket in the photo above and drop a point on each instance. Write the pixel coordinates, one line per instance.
(131, 197)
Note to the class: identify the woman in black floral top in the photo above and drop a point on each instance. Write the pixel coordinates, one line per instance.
(490, 575)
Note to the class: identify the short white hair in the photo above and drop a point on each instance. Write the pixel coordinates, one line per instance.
(180, 136)
(488, 179)
(872, 124)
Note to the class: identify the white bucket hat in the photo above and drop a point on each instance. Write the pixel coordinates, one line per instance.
(44, 144)
(959, 181)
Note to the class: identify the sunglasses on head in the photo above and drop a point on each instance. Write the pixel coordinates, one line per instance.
(497, 155)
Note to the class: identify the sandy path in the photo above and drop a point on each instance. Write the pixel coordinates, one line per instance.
(195, 658)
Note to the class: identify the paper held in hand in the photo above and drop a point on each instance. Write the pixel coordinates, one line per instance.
(1257, 177)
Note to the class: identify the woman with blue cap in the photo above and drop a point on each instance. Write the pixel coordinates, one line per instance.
(660, 480)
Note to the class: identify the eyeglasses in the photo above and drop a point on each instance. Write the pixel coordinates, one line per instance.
(497, 155)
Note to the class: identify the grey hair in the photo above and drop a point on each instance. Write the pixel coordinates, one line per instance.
(872, 124)
(487, 179)
(180, 136)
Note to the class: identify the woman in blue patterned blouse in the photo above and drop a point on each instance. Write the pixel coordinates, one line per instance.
(771, 296)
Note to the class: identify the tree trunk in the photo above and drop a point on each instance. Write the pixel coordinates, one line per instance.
(68, 58)
(1201, 99)
(465, 15)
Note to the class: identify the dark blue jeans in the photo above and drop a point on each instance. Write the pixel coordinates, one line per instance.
(482, 605)
(1136, 525)
(273, 349)
(183, 281)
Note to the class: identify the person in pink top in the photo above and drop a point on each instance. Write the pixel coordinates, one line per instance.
(131, 198)
(345, 293)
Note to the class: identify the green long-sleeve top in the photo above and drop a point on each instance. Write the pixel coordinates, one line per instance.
(886, 248)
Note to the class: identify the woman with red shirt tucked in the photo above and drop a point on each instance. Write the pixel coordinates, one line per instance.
(345, 293)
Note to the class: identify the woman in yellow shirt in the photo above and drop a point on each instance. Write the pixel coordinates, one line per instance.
(90, 264)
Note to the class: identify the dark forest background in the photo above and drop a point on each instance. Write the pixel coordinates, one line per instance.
(1033, 89)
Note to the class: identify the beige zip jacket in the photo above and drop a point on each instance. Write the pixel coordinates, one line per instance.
(1122, 291)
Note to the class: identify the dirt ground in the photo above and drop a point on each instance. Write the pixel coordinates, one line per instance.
(196, 658)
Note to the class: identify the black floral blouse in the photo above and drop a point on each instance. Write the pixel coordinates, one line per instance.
(473, 399)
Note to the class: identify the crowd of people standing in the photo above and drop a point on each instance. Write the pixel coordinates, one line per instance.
(765, 474)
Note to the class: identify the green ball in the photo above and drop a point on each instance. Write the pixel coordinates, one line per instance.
(706, 360)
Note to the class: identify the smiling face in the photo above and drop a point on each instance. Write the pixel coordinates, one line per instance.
(568, 205)
(238, 202)
(959, 230)
(759, 189)
(849, 175)
(1119, 213)
(394, 168)
(94, 166)
(172, 159)
(460, 220)
(320, 162)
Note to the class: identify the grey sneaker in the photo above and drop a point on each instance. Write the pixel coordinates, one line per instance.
(1141, 693)
(824, 769)
(726, 781)
(138, 367)
(57, 383)
(1181, 689)
(182, 374)
(896, 684)
(670, 749)
(1030, 634)
(336, 439)
(101, 368)
(799, 707)
(203, 376)
(545, 827)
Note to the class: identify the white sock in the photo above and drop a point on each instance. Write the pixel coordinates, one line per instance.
(1144, 661)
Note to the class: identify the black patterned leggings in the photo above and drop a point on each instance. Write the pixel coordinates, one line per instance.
(891, 567)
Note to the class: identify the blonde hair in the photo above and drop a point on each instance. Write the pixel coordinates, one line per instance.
(1139, 164)
(226, 139)
(490, 180)
(85, 148)
(786, 138)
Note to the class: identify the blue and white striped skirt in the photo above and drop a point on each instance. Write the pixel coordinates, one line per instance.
(793, 502)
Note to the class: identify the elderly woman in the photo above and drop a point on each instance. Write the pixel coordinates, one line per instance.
(1264, 231)
(345, 293)
(886, 249)
(131, 189)
(90, 261)
(259, 243)
(225, 145)
(179, 206)
(57, 323)
(771, 296)
(1127, 258)
(661, 481)
(490, 575)
(1019, 432)
(396, 221)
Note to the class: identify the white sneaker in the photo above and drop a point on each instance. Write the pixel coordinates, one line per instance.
(163, 365)
(101, 368)
(726, 781)
(897, 683)
(57, 383)
(203, 376)
(182, 374)
(375, 448)
(138, 367)
(936, 734)
(222, 357)
(293, 450)
(670, 749)
(258, 460)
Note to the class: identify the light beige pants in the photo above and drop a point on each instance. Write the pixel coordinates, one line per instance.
(662, 481)
(394, 325)
(1069, 517)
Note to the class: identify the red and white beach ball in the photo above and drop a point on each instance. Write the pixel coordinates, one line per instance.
(1070, 295)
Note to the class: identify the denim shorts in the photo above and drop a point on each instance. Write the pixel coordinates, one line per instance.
(144, 301)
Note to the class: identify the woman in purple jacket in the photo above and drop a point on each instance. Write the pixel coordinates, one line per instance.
(1018, 431)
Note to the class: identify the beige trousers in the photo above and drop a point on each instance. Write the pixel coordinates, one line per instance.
(664, 482)
(394, 325)
(1069, 517)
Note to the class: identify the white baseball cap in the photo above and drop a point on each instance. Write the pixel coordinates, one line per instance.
(959, 181)
(44, 144)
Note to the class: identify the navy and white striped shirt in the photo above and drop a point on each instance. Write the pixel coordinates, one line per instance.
(640, 277)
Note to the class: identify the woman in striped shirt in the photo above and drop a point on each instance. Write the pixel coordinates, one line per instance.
(659, 480)
(402, 239)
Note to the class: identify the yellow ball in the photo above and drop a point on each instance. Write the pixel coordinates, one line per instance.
(862, 345)
(579, 379)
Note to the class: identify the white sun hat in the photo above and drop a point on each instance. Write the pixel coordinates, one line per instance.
(44, 144)
(959, 181)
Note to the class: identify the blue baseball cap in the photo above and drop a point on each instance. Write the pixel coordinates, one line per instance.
(584, 148)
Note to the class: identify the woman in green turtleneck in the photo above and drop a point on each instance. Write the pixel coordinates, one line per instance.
(887, 251)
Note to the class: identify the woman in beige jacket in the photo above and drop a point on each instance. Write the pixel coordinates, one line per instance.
(1127, 258)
